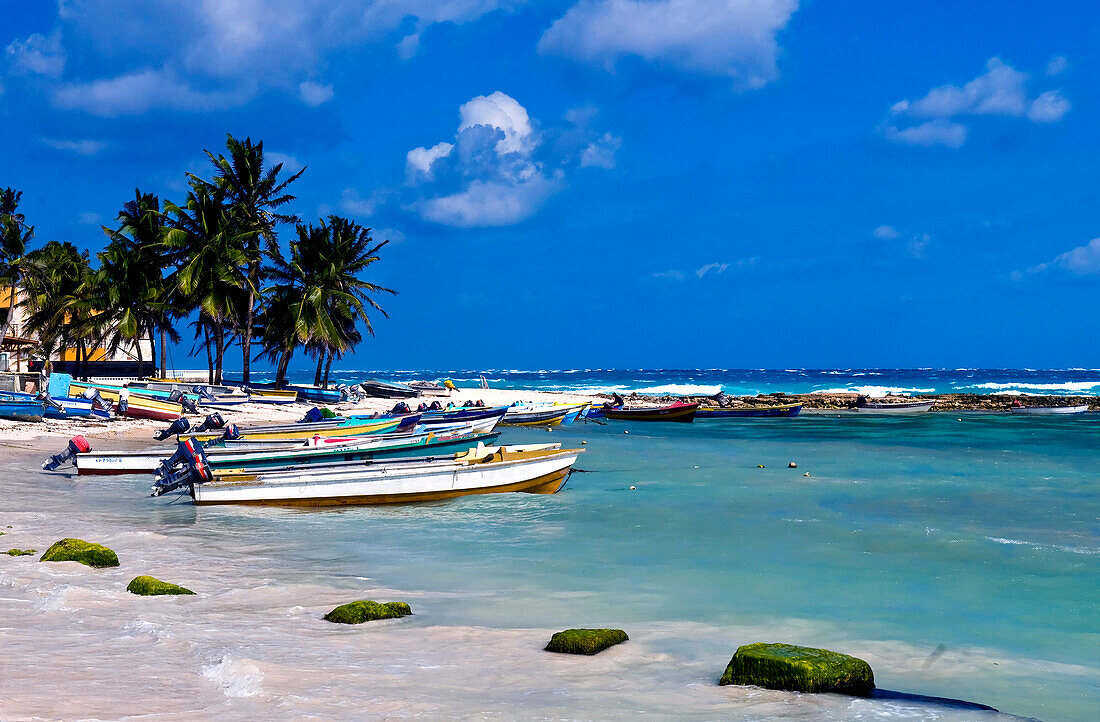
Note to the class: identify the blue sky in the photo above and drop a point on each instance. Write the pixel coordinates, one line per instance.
(616, 183)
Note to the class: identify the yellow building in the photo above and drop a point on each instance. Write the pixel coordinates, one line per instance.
(19, 348)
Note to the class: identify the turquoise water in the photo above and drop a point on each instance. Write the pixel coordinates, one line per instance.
(959, 555)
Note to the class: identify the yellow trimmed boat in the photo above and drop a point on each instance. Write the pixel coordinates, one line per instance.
(298, 432)
(137, 405)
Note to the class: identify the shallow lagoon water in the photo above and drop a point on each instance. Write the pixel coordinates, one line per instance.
(960, 558)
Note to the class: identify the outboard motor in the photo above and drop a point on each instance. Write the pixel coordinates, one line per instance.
(204, 393)
(177, 427)
(211, 422)
(50, 401)
(77, 445)
(177, 397)
(92, 394)
(436, 406)
(401, 408)
(231, 433)
(187, 466)
(422, 407)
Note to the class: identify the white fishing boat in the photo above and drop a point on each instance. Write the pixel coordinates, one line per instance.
(1044, 410)
(536, 468)
(894, 407)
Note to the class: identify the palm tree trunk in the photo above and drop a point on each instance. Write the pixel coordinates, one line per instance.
(163, 353)
(284, 362)
(209, 357)
(141, 359)
(219, 350)
(320, 361)
(246, 342)
(328, 365)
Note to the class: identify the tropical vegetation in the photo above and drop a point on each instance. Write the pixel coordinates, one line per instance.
(214, 261)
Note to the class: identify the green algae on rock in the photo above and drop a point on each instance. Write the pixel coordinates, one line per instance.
(151, 587)
(798, 669)
(585, 641)
(78, 550)
(367, 611)
(20, 552)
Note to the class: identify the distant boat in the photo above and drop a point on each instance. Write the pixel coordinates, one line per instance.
(894, 407)
(535, 416)
(316, 394)
(20, 409)
(679, 411)
(738, 412)
(386, 390)
(537, 468)
(336, 427)
(429, 388)
(1043, 410)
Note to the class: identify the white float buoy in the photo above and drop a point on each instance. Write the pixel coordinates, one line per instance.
(633, 488)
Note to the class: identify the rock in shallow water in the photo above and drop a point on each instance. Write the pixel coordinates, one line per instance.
(585, 641)
(20, 552)
(367, 611)
(151, 587)
(78, 550)
(798, 669)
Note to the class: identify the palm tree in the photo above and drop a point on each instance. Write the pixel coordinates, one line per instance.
(254, 194)
(15, 235)
(53, 283)
(319, 296)
(211, 264)
(134, 265)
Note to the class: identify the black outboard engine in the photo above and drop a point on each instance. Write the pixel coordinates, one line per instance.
(211, 422)
(177, 397)
(436, 406)
(401, 408)
(422, 407)
(177, 427)
(92, 394)
(204, 393)
(231, 433)
(187, 466)
(50, 401)
(77, 445)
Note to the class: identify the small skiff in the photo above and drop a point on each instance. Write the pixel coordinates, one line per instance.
(741, 412)
(681, 412)
(899, 407)
(538, 468)
(1044, 410)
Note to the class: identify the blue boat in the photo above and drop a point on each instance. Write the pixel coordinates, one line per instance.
(70, 407)
(17, 408)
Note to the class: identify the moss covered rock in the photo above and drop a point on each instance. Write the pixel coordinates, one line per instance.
(585, 641)
(78, 550)
(799, 669)
(367, 611)
(152, 587)
(20, 552)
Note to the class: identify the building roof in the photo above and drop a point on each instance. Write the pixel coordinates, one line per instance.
(18, 341)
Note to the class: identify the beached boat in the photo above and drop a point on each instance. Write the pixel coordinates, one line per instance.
(534, 416)
(385, 390)
(539, 469)
(15, 408)
(894, 407)
(429, 388)
(273, 396)
(138, 405)
(334, 427)
(316, 394)
(741, 412)
(679, 411)
(454, 415)
(70, 408)
(1044, 410)
(286, 455)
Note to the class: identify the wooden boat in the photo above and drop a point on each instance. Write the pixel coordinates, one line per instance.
(1044, 410)
(459, 414)
(679, 411)
(741, 412)
(138, 405)
(284, 455)
(70, 408)
(342, 427)
(894, 407)
(273, 396)
(316, 394)
(385, 390)
(534, 416)
(428, 388)
(539, 469)
(77, 387)
(20, 409)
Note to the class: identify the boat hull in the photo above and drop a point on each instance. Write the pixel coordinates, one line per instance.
(21, 410)
(915, 407)
(786, 410)
(1051, 410)
(549, 417)
(543, 473)
(682, 413)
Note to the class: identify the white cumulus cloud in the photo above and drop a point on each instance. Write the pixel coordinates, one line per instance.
(138, 92)
(885, 233)
(314, 94)
(716, 267)
(80, 147)
(732, 38)
(1000, 90)
(1081, 261)
(38, 54)
(418, 161)
(502, 112)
